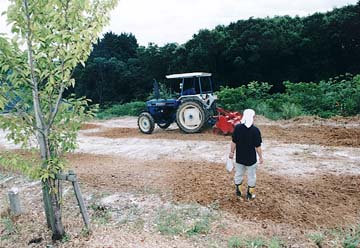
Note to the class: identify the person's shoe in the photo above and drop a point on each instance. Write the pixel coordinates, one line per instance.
(250, 193)
(238, 189)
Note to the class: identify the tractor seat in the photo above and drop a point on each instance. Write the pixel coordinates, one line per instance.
(190, 91)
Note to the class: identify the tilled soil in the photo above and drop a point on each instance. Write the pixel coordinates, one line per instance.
(322, 201)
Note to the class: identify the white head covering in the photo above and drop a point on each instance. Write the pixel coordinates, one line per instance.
(248, 117)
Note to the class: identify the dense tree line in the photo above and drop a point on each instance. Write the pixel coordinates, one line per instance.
(273, 50)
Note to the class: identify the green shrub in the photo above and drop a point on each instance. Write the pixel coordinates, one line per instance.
(127, 109)
(263, 108)
(336, 96)
(165, 92)
(243, 97)
(290, 110)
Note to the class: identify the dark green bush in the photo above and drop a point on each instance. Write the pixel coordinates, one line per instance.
(337, 96)
(127, 109)
(243, 97)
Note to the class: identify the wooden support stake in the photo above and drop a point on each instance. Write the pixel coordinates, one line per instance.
(79, 198)
(71, 177)
(15, 206)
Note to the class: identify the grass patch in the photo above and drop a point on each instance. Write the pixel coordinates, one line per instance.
(8, 228)
(188, 221)
(201, 226)
(254, 242)
(65, 238)
(130, 216)
(235, 242)
(352, 238)
(340, 237)
(317, 238)
(100, 214)
(170, 223)
(275, 242)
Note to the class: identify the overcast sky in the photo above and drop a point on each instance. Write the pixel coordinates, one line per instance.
(164, 21)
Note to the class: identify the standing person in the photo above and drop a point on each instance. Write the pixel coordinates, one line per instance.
(246, 139)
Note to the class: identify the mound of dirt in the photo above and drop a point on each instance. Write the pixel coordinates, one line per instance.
(315, 135)
(316, 120)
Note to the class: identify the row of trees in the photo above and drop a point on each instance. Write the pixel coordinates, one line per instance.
(273, 50)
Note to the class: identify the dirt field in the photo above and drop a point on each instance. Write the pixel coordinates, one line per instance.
(310, 183)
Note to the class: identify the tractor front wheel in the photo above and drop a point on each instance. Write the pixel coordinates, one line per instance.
(190, 117)
(146, 123)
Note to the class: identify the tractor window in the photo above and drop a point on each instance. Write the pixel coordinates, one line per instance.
(206, 85)
(190, 86)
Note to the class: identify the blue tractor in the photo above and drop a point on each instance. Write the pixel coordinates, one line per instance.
(192, 109)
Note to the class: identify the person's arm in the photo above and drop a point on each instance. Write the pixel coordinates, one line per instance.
(232, 150)
(259, 152)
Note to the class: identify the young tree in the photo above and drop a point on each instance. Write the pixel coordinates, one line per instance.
(50, 37)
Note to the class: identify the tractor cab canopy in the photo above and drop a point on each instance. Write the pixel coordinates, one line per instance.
(189, 75)
(193, 83)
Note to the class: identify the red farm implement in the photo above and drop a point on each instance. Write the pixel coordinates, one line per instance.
(226, 121)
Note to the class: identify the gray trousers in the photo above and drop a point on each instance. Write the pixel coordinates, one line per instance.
(240, 170)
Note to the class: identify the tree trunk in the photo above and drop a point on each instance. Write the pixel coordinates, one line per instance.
(47, 206)
(58, 230)
(53, 213)
(51, 200)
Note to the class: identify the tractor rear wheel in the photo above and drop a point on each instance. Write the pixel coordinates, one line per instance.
(146, 123)
(190, 117)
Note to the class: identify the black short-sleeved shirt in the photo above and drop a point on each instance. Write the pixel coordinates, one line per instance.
(246, 140)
